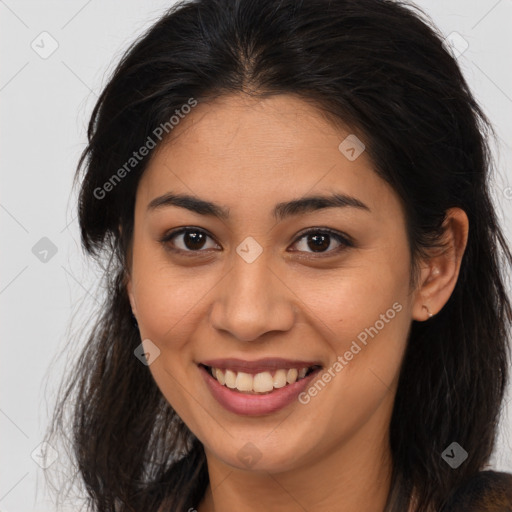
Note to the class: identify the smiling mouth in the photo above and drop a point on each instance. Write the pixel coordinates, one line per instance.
(259, 383)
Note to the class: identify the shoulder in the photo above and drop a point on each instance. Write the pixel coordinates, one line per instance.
(487, 491)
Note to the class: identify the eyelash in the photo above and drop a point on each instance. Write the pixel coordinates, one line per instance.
(344, 240)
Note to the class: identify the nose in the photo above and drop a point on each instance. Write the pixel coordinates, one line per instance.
(254, 301)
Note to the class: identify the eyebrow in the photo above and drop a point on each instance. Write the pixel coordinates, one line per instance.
(281, 210)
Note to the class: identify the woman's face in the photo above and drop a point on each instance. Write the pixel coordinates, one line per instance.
(259, 279)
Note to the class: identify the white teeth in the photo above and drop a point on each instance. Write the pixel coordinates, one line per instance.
(244, 381)
(263, 382)
(230, 379)
(292, 375)
(219, 376)
(280, 379)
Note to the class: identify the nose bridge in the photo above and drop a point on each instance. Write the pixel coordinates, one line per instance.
(253, 301)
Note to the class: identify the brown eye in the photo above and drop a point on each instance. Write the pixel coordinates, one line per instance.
(321, 241)
(188, 240)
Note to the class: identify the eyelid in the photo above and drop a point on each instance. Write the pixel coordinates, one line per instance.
(343, 239)
(169, 235)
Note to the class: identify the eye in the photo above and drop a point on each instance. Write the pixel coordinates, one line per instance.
(187, 239)
(193, 240)
(320, 239)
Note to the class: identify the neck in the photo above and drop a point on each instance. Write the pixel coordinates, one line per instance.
(354, 476)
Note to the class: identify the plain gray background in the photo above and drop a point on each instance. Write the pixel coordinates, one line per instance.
(45, 105)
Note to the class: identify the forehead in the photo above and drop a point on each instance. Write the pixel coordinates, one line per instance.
(239, 150)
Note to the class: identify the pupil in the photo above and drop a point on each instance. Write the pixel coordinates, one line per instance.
(194, 240)
(319, 241)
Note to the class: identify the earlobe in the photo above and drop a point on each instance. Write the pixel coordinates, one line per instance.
(128, 280)
(132, 303)
(131, 297)
(430, 315)
(424, 307)
(441, 271)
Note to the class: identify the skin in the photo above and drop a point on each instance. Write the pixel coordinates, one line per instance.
(247, 155)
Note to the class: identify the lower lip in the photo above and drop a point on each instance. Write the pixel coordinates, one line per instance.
(255, 405)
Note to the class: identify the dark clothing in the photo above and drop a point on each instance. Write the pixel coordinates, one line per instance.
(487, 491)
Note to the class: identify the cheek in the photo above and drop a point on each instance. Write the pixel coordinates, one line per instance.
(162, 308)
(167, 309)
(364, 316)
(346, 305)
(168, 299)
(366, 353)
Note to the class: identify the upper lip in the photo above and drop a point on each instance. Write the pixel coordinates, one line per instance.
(258, 365)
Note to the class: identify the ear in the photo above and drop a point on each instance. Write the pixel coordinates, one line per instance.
(129, 290)
(128, 282)
(440, 271)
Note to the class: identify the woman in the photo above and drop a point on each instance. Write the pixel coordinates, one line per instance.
(305, 308)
